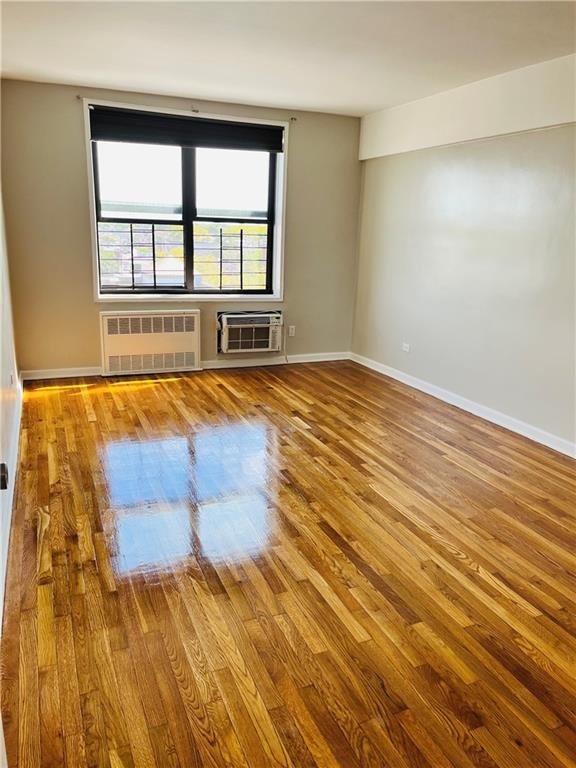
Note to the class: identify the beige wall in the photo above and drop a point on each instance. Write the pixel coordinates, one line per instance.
(48, 226)
(467, 253)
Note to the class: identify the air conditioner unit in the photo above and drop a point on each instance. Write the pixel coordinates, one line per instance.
(150, 342)
(250, 331)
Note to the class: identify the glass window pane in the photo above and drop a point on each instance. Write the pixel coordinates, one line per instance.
(141, 255)
(115, 255)
(230, 256)
(139, 181)
(169, 249)
(231, 182)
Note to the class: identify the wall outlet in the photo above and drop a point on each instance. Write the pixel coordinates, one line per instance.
(291, 330)
(405, 346)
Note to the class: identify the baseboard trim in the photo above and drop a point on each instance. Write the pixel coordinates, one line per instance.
(209, 365)
(229, 362)
(313, 357)
(319, 357)
(496, 417)
(60, 373)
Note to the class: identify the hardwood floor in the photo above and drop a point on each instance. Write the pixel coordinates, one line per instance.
(303, 565)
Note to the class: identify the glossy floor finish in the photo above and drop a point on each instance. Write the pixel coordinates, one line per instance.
(303, 565)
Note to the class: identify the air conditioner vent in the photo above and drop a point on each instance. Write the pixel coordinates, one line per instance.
(136, 342)
(250, 331)
(249, 320)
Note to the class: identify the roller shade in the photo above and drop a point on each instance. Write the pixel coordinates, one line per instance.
(115, 124)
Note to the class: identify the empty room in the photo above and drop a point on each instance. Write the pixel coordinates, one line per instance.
(288, 384)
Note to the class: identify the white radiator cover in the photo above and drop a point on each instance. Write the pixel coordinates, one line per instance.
(150, 342)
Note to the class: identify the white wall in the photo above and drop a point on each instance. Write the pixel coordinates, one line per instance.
(468, 254)
(525, 99)
(10, 406)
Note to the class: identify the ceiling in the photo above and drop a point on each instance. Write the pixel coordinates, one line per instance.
(345, 57)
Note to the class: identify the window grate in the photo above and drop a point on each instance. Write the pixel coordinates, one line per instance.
(227, 257)
(230, 256)
(141, 255)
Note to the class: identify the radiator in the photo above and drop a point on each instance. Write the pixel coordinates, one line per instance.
(150, 342)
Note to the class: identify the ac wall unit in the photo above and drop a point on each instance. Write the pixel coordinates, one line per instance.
(150, 342)
(250, 331)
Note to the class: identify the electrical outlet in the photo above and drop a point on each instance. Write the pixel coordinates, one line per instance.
(291, 330)
(405, 346)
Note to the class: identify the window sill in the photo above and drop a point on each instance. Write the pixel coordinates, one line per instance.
(188, 298)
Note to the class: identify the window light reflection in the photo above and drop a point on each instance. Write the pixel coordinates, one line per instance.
(179, 497)
(149, 538)
(233, 529)
(139, 473)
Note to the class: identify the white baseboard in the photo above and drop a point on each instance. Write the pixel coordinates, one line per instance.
(319, 357)
(221, 362)
(60, 373)
(313, 357)
(496, 417)
(230, 362)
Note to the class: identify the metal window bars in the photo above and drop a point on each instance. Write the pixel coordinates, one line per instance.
(134, 255)
(226, 256)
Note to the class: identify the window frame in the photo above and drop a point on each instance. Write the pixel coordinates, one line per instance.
(275, 220)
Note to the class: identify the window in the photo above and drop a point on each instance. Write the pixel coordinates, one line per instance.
(185, 204)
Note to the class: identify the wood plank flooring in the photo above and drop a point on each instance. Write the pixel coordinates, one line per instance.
(297, 566)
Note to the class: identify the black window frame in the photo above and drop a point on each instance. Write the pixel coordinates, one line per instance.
(189, 217)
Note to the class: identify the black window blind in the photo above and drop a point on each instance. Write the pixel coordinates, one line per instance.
(117, 124)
